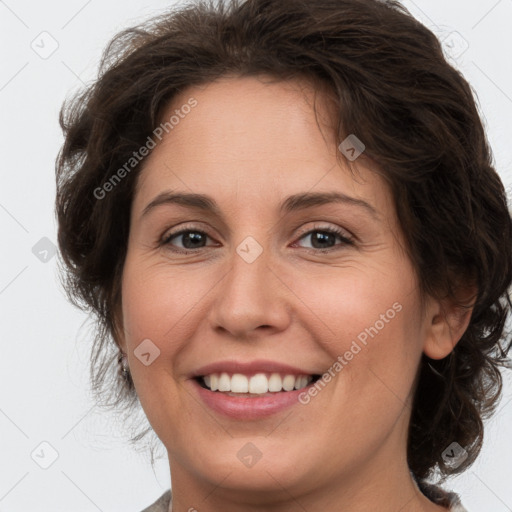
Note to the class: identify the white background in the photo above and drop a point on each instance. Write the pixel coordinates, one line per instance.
(44, 349)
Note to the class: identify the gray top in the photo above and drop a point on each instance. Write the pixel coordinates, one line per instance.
(161, 504)
(433, 493)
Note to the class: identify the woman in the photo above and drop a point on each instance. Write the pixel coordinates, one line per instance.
(285, 216)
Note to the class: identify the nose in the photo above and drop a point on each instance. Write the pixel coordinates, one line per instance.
(251, 298)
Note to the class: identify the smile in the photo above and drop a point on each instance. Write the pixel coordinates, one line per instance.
(251, 401)
(255, 385)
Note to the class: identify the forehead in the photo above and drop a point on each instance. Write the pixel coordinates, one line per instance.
(254, 136)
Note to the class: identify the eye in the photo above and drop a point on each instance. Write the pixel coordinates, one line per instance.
(189, 240)
(324, 238)
(186, 240)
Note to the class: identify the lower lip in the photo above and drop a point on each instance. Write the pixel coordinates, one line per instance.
(248, 408)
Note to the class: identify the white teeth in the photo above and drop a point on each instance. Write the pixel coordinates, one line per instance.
(224, 382)
(214, 382)
(259, 384)
(289, 382)
(275, 382)
(239, 383)
(302, 382)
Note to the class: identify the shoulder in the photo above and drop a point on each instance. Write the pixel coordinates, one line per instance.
(161, 504)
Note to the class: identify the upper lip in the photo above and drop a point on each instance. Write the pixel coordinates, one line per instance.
(249, 368)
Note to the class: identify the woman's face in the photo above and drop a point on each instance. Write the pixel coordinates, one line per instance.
(268, 267)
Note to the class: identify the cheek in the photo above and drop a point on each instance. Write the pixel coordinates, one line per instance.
(157, 306)
(357, 303)
(370, 316)
(158, 300)
(372, 323)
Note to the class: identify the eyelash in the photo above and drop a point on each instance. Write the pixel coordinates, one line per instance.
(320, 229)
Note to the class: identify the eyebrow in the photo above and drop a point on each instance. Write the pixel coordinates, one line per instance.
(292, 203)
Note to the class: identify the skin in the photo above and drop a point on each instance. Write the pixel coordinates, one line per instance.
(249, 144)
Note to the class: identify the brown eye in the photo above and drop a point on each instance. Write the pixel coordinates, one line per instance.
(325, 238)
(186, 239)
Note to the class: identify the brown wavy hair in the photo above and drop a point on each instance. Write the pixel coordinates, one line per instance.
(393, 87)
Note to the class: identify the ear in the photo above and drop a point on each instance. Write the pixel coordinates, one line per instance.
(446, 322)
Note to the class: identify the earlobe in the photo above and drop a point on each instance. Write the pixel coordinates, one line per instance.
(446, 323)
